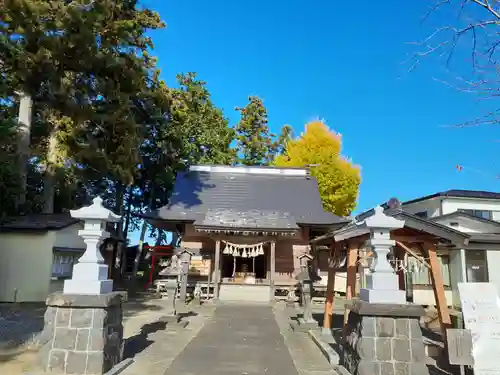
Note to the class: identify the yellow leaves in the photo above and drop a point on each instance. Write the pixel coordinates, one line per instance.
(338, 178)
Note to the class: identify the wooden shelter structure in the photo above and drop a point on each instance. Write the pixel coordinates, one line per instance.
(419, 238)
(246, 224)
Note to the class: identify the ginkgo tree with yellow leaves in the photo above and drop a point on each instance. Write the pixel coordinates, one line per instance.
(338, 177)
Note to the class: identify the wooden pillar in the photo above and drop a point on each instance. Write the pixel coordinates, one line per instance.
(272, 270)
(438, 288)
(352, 257)
(217, 269)
(330, 289)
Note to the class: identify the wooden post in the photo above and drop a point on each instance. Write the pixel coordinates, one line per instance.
(330, 290)
(438, 288)
(272, 270)
(352, 257)
(217, 269)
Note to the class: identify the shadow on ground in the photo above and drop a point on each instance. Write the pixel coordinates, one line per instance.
(137, 343)
(141, 302)
(22, 323)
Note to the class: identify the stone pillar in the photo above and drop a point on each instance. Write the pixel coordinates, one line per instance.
(217, 270)
(272, 271)
(185, 257)
(304, 259)
(83, 334)
(171, 315)
(307, 277)
(384, 339)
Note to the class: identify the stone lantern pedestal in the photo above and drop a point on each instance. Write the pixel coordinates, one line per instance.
(384, 339)
(83, 331)
(383, 334)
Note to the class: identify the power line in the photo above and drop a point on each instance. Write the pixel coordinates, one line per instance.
(462, 168)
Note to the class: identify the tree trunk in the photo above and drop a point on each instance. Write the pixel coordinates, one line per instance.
(49, 180)
(175, 238)
(138, 255)
(118, 253)
(125, 231)
(23, 146)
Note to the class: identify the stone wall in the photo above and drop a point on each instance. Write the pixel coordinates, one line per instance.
(384, 340)
(83, 334)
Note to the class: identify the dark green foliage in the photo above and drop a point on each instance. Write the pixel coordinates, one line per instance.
(256, 145)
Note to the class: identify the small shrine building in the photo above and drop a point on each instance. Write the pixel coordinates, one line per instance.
(246, 226)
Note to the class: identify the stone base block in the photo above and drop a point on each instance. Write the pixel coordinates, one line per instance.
(384, 339)
(383, 296)
(83, 334)
(88, 287)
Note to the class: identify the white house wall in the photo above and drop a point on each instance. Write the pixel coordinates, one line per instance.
(431, 206)
(69, 238)
(493, 260)
(457, 273)
(25, 266)
(454, 204)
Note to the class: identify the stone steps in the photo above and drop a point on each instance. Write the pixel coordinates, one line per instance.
(244, 293)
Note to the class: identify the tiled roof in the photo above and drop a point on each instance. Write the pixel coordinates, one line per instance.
(38, 222)
(456, 193)
(197, 192)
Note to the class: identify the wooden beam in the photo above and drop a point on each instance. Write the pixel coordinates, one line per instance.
(217, 269)
(352, 257)
(412, 253)
(438, 288)
(330, 289)
(418, 239)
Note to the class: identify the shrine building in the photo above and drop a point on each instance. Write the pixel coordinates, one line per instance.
(246, 226)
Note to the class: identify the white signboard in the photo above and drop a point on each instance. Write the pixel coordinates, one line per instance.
(481, 311)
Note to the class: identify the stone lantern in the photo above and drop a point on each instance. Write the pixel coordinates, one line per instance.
(306, 277)
(90, 274)
(382, 283)
(83, 330)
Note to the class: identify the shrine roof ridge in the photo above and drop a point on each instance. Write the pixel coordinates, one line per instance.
(244, 169)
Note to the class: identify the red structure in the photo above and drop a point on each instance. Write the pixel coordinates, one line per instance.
(157, 251)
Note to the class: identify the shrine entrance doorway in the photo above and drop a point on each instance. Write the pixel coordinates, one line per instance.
(246, 265)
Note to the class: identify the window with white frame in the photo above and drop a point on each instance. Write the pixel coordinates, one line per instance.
(62, 263)
(482, 214)
(421, 275)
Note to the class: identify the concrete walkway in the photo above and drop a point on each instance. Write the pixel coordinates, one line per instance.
(238, 340)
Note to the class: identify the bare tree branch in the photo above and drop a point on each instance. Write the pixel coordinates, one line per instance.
(477, 28)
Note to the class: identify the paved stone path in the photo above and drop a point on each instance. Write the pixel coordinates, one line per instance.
(158, 346)
(238, 340)
(306, 356)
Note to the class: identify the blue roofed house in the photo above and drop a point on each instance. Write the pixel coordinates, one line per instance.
(246, 225)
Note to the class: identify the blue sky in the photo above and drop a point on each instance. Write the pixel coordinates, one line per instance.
(340, 61)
